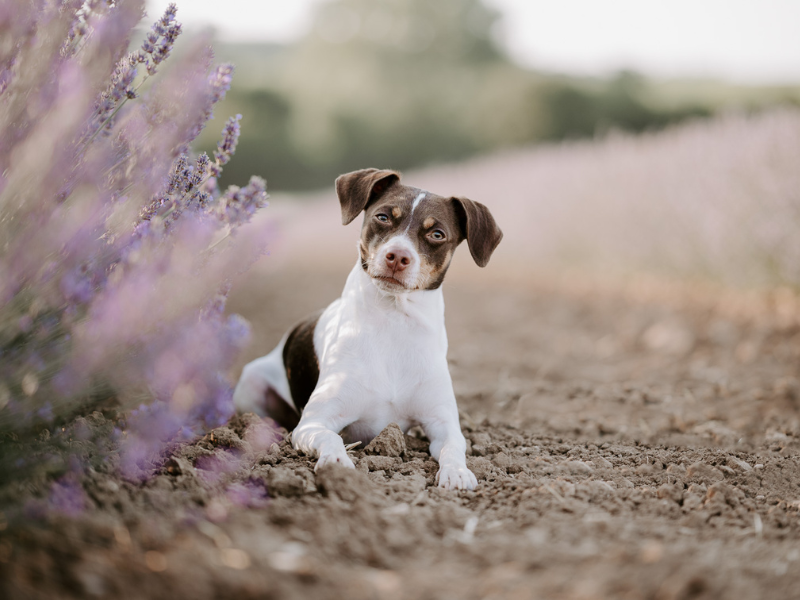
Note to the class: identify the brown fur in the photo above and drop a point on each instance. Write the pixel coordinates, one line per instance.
(380, 193)
(482, 233)
(300, 361)
(356, 190)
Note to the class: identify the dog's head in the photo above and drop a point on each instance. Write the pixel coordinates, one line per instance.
(409, 235)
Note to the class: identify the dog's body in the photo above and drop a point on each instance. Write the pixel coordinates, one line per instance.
(378, 354)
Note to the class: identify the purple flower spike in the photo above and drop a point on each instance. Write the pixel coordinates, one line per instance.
(201, 167)
(230, 137)
(109, 287)
(238, 205)
(220, 82)
(159, 40)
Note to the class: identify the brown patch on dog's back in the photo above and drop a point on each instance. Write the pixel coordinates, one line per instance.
(279, 410)
(300, 361)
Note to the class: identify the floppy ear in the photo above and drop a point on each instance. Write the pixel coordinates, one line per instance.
(357, 189)
(479, 228)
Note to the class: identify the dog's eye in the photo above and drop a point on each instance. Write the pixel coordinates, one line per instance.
(382, 218)
(437, 235)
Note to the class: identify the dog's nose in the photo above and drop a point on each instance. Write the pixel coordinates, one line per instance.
(398, 260)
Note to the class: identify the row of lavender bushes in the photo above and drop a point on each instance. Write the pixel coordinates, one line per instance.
(713, 202)
(117, 248)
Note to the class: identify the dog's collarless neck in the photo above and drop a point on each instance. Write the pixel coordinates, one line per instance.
(361, 286)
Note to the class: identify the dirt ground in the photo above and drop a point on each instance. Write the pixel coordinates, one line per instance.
(625, 448)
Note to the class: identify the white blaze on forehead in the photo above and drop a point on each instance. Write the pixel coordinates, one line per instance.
(417, 200)
(420, 197)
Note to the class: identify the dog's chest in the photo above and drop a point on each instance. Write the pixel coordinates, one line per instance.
(386, 353)
(399, 355)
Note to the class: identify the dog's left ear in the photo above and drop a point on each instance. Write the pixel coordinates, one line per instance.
(357, 189)
(478, 227)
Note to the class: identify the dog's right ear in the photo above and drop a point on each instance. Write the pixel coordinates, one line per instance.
(357, 189)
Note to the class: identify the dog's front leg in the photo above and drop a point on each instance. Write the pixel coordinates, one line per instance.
(449, 448)
(317, 434)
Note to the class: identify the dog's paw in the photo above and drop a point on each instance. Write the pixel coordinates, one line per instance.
(456, 478)
(334, 458)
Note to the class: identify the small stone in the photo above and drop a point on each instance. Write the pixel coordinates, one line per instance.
(389, 442)
(738, 463)
(703, 472)
(672, 492)
(577, 467)
(108, 486)
(724, 492)
(602, 463)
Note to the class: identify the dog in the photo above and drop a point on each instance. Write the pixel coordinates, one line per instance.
(378, 354)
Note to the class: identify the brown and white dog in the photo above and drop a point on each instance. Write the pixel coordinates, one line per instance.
(378, 354)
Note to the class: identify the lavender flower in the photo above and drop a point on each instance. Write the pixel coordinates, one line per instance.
(159, 40)
(220, 82)
(164, 48)
(108, 265)
(177, 179)
(121, 88)
(199, 173)
(238, 205)
(227, 145)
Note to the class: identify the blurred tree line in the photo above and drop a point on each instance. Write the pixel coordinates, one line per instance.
(404, 83)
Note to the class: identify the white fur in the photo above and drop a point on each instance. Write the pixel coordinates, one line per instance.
(382, 359)
(259, 375)
(420, 197)
(408, 276)
(417, 200)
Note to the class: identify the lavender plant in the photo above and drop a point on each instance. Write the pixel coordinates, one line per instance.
(117, 248)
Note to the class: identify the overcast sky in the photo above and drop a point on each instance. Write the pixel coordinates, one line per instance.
(754, 41)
